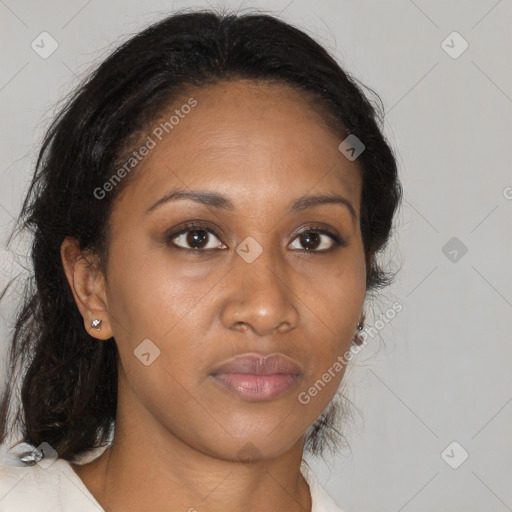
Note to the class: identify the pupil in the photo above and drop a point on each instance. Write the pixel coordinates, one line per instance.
(195, 238)
(308, 238)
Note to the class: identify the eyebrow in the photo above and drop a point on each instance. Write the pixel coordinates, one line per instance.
(219, 201)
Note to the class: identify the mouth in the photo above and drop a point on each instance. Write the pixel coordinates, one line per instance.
(258, 378)
(257, 388)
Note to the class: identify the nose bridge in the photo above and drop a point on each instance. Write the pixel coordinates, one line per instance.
(261, 266)
(261, 296)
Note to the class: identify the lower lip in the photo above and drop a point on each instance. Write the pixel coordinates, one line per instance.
(257, 387)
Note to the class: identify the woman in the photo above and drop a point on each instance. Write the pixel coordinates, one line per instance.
(207, 211)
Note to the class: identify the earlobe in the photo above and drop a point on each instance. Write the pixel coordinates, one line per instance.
(87, 284)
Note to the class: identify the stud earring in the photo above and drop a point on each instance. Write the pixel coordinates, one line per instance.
(96, 324)
(358, 339)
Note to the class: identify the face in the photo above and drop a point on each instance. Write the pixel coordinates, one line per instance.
(251, 276)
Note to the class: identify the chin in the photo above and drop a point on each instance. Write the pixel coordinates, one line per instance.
(262, 442)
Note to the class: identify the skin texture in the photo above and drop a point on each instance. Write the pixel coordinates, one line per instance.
(178, 432)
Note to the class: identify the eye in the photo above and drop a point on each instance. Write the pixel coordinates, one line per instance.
(311, 240)
(195, 237)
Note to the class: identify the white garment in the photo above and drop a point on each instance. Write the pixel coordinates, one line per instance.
(57, 488)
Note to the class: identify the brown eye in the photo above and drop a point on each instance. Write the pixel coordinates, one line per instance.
(195, 237)
(311, 240)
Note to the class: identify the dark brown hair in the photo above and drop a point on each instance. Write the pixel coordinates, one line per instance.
(69, 381)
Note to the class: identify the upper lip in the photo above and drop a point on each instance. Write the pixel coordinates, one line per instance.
(256, 364)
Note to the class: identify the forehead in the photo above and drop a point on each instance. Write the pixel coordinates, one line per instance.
(247, 140)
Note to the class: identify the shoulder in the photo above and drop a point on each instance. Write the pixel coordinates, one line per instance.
(320, 500)
(46, 486)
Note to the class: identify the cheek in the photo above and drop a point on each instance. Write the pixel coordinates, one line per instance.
(157, 318)
(334, 309)
(336, 296)
(149, 297)
(153, 320)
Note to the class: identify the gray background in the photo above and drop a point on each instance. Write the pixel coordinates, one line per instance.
(439, 372)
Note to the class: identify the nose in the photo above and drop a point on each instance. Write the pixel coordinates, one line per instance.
(261, 298)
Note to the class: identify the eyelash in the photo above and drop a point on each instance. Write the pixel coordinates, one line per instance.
(337, 241)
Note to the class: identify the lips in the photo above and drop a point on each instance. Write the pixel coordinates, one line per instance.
(258, 378)
(253, 364)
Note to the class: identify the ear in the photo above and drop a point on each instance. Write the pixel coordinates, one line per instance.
(88, 286)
